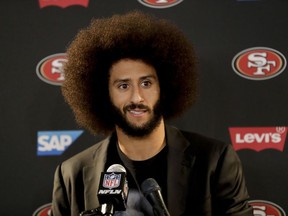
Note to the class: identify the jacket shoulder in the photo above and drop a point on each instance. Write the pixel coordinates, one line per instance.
(203, 142)
(195, 142)
(87, 157)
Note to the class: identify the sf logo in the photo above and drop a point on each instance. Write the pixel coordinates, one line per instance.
(260, 63)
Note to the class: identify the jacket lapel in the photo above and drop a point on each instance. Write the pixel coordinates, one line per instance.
(180, 166)
(92, 174)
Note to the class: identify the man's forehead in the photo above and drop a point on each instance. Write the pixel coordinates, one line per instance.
(132, 69)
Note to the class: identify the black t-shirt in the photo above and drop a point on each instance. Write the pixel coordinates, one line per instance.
(137, 172)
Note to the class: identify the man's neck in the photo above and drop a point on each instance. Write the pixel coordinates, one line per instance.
(142, 148)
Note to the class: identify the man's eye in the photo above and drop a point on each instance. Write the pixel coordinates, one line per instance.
(123, 86)
(146, 83)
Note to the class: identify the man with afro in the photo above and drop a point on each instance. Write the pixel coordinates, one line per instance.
(125, 76)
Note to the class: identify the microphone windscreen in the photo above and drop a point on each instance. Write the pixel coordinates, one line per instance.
(149, 185)
(152, 192)
(116, 168)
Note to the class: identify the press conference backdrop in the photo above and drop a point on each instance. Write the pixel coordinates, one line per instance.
(242, 47)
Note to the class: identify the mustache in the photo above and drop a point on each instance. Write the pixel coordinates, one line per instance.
(135, 106)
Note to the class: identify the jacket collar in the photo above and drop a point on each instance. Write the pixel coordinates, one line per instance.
(179, 164)
(92, 174)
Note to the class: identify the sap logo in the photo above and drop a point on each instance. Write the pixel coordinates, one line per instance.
(55, 142)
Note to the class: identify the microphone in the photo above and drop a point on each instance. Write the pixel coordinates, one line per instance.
(113, 189)
(152, 192)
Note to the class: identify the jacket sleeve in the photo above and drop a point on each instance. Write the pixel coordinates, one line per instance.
(60, 202)
(230, 192)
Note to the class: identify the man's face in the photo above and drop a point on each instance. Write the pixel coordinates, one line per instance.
(135, 96)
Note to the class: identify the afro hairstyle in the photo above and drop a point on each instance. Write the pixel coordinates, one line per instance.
(134, 35)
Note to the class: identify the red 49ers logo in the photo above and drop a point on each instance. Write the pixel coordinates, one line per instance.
(44, 210)
(50, 69)
(266, 208)
(259, 63)
(160, 3)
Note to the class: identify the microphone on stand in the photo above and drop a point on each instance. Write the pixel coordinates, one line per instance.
(113, 189)
(152, 192)
(112, 193)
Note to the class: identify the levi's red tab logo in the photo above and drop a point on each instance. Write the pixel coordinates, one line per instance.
(63, 3)
(258, 138)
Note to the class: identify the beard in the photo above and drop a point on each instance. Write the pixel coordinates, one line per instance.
(131, 129)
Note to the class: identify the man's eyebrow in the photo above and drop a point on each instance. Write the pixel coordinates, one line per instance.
(128, 79)
(120, 80)
(148, 77)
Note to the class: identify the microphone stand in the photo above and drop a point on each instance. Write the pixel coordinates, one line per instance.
(106, 209)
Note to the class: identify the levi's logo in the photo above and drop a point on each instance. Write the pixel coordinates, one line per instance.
(258, 138)
(63, 3)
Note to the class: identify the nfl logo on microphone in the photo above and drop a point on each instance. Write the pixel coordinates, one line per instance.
(111, 180)
(113, 189)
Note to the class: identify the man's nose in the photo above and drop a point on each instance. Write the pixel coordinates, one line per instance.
(136, 96)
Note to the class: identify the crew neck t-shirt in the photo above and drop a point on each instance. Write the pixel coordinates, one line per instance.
(136, 173)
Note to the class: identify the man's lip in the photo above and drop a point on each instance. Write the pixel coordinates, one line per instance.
(137, 111)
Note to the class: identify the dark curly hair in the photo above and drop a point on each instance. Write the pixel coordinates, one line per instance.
(134, 35)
